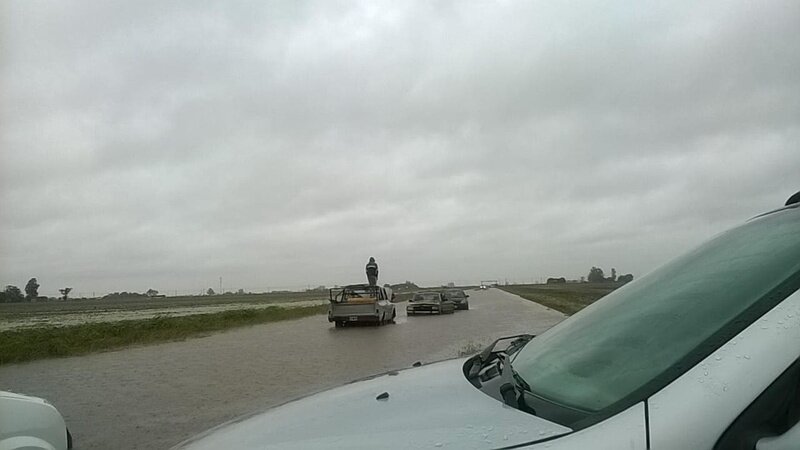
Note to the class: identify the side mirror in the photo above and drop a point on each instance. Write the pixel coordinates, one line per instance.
(466, 295)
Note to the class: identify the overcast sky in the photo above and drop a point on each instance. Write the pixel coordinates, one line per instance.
(280, 144)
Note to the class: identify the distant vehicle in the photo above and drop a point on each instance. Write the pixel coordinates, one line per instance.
(31, 423)
(701, 354)
(458, 297)
(483, 286)
(429, 302)
(361, 303)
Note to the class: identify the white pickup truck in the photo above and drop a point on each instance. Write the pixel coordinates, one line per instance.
(361, 303)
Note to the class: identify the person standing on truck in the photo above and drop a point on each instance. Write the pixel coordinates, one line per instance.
(372, 272)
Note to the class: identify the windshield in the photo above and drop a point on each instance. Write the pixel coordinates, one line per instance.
(426, 297)
(622, 343)
(359, 293)
(455, 294)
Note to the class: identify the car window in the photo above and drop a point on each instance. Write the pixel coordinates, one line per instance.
(620, 344)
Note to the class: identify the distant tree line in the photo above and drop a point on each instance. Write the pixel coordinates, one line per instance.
(13, 294)
(596, 275)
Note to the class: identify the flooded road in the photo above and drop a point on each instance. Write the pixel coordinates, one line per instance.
(156, 396)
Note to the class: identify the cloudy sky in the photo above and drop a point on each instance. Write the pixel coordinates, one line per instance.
(280, 144)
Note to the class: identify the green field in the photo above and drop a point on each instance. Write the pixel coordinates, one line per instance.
(568, 298)
(46, 342)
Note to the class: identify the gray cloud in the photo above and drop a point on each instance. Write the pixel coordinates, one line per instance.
(153, 144)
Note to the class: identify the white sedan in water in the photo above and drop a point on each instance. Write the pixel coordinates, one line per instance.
(703, 353)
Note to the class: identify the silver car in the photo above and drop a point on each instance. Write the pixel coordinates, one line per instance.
(429, 302)
(458, 297)
(702, 353)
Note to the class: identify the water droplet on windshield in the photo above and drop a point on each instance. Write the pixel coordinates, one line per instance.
(724, 388)
(505, 438)
(439, 444)
(705, 373)
(541, 433)
(718, 358)
(746, 357)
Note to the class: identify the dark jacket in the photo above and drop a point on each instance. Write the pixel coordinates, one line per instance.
(372, 268)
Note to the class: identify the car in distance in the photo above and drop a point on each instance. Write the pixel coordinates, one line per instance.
(458, 297)
(429, 302)
(701, 353)
(361, 303)
(31, 423)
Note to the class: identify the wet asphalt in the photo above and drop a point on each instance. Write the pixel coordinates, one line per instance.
(158, 395)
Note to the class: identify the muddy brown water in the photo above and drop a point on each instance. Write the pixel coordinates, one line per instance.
(156, 396)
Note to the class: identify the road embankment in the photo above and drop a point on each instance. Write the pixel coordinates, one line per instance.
(567, 298)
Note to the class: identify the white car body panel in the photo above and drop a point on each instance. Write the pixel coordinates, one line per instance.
(726, 382)
(625, 431)
(30, 423)
(428, 407)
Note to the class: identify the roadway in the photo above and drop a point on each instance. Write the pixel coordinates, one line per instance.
(158, 395)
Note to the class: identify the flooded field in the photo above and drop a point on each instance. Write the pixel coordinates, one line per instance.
(95, 316)
(156, 396)
(30, 315)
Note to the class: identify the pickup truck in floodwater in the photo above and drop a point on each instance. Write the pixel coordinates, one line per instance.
(361, 303)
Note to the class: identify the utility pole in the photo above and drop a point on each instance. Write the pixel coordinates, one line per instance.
(220, 285)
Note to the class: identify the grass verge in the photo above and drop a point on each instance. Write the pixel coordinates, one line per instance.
(36, 343)
(566, 298)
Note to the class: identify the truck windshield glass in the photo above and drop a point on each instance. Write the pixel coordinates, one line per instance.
(427, 297)
(620, 344)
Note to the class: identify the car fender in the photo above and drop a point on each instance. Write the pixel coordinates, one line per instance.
(26, 443)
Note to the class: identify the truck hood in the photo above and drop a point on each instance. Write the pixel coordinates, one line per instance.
(432, 406)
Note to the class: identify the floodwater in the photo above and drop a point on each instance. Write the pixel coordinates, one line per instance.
(76, 318)
(156, 396)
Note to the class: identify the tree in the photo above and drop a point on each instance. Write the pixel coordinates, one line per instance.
(613, 275)
(151, 292)
(210, 292)
(65, 293)
(596, 275)
(13, 294)
(32, 290)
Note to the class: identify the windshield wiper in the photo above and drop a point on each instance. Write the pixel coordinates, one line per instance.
(492, 363)
(491, 371)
